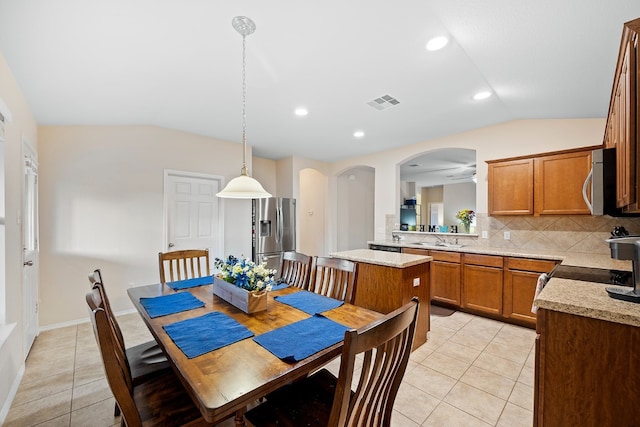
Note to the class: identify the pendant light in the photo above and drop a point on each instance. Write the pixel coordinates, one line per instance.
(243, 186)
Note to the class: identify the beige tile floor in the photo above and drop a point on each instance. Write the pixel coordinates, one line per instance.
(471, 372)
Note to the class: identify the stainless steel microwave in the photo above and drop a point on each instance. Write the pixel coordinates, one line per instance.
(602, 200)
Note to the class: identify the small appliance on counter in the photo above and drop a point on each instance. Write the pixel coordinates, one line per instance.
(626, 248)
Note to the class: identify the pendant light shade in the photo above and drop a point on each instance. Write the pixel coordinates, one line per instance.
(243, 187)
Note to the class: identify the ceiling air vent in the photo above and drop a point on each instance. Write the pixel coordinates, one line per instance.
(383, 102)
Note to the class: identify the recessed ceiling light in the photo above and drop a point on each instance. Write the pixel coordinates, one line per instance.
(437, 43)
(358, 134)
(301, 111)
(481, 95)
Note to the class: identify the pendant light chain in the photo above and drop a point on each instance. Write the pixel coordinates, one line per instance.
(243, 171)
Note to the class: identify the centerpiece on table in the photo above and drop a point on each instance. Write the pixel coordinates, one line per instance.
(243, 283)
(465, 216)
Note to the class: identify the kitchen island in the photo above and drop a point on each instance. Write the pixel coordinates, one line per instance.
(587, 356)
(387, 280)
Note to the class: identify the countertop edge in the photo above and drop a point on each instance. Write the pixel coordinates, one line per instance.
(388, 259)
(588, 300)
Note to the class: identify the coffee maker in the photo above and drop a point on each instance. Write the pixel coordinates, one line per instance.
(626, 248)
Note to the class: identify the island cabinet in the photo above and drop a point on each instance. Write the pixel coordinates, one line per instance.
(482, 283)
(520, 281)
(542, 184)
(586, 371)
(386, 281)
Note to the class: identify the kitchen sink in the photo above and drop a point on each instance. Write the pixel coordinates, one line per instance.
(438, 244)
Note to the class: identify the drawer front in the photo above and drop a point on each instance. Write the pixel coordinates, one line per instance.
(414, 251)
(445, 256)
(525, 264)
(485, 260)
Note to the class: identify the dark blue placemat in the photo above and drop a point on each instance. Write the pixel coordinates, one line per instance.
(279, 286)
(309, 302)
(190, 283)
(206, 333)
(170, 304)
(301, 339)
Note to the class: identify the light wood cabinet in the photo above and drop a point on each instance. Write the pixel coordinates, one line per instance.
(383, 289)
(482, 283)
(621, 129)
(511, 187)
(520, 281)
(558, 182)
(498, 287)
(586, 371)
(445, 277)
(543, 184)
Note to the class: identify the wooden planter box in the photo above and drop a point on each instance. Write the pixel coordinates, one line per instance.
(249, 302)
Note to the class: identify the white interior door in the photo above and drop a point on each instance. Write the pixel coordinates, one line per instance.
(193, 213)
(30, 249)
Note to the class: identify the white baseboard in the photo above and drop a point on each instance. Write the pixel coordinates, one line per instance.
(12, 395)
(81, 321)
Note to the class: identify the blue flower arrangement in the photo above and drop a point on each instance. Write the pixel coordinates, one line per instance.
(245, 274)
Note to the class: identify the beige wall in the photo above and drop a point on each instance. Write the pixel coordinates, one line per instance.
(509, 139)
(101, 206)
(22, 126)
(355, 204)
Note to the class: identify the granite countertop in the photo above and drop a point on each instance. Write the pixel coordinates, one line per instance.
(389, 259)
(568, 296)
(587, 299)
(581, 259)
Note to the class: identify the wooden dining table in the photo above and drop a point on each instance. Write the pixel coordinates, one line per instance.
(224, 381)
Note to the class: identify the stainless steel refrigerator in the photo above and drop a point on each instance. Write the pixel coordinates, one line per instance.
(273, 229)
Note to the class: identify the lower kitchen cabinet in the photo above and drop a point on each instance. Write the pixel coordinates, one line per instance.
(586, 372)
(445, 277)
(502, 288)
(482, 283)
(520, 280)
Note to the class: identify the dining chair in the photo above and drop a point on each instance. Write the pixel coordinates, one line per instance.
(295, 269)
(160, 401)
(324, 400)
(334, 278)
(145, 360)
(184, 264)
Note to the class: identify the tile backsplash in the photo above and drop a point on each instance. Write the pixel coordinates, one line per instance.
(571, 233)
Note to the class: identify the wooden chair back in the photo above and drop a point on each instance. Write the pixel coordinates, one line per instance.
(114, 359)
(334, 278)
(95, 279)
(295, 269)
(386, 346)
(182, 265)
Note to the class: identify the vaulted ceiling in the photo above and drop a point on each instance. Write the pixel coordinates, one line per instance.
(177, 64)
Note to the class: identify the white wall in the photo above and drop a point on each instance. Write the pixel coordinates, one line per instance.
(355, 205)
(22, 124)
(457, 197)
(312, 205)
(101, 206)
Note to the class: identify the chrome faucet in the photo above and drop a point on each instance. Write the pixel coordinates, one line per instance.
(440, 241)
(395, 237)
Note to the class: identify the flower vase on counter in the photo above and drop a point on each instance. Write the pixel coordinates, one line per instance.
(465, 216)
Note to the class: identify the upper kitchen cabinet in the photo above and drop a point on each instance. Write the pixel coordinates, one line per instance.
(543, 184)
(511, 187)
(558, 181)
(621, 128)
